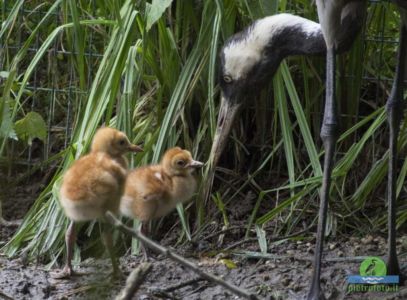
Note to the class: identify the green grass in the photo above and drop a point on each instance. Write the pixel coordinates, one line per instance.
(157, 81)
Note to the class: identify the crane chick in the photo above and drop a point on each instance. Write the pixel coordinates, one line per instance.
(154, 191)
(94, 185)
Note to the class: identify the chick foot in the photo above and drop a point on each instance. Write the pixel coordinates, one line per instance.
(66, 273)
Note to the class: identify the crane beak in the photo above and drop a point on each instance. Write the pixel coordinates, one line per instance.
(227, 114)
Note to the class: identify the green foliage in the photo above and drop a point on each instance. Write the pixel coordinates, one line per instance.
(221, 207)
(30, 127)
(6, 125)
(261, 236)
(155, 10)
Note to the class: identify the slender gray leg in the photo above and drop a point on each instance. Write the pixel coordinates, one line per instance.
(394, 109)
(329, 136)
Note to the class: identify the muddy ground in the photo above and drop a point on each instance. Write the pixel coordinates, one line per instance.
(284, 273)
(284, 276)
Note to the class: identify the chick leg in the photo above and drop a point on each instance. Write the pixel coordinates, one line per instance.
(144, 231)
(107, 238)
(70, 237)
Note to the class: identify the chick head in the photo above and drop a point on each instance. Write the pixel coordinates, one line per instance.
(113, 142)
(177, 161)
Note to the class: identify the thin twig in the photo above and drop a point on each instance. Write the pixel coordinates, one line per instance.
(216, 233)
(160, 249)
(239, 243)
(134, 280)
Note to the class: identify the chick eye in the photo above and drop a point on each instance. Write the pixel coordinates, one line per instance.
(122, 142)
(180, 163)
(227, 78)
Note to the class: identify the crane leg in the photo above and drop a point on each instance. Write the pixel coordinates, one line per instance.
(329, 136)
(394, 109)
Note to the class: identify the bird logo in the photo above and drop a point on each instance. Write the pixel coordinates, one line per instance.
(373, 266)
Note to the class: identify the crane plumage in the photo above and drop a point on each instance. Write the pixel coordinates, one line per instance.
(255, 46)
(251, 57)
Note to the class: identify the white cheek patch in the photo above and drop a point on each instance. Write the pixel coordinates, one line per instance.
(241, 55)
(238, 63)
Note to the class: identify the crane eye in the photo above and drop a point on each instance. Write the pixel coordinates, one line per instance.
(122, 142)
(227, 78)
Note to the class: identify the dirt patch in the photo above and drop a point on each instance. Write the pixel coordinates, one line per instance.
(17, 197)
(284, 273)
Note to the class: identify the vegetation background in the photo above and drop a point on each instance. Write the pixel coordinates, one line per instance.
(150, 69)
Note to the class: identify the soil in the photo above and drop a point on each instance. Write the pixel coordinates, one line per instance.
(283, 273)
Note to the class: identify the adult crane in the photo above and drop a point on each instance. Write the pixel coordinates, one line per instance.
(251, 57)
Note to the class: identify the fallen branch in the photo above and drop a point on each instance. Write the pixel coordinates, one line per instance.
(160, 249)
(133, 282)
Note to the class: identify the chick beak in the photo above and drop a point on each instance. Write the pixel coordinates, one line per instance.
(135, 148)
(196, 164)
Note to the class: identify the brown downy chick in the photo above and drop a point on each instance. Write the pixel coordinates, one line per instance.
(94, 185)
(154, 191)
